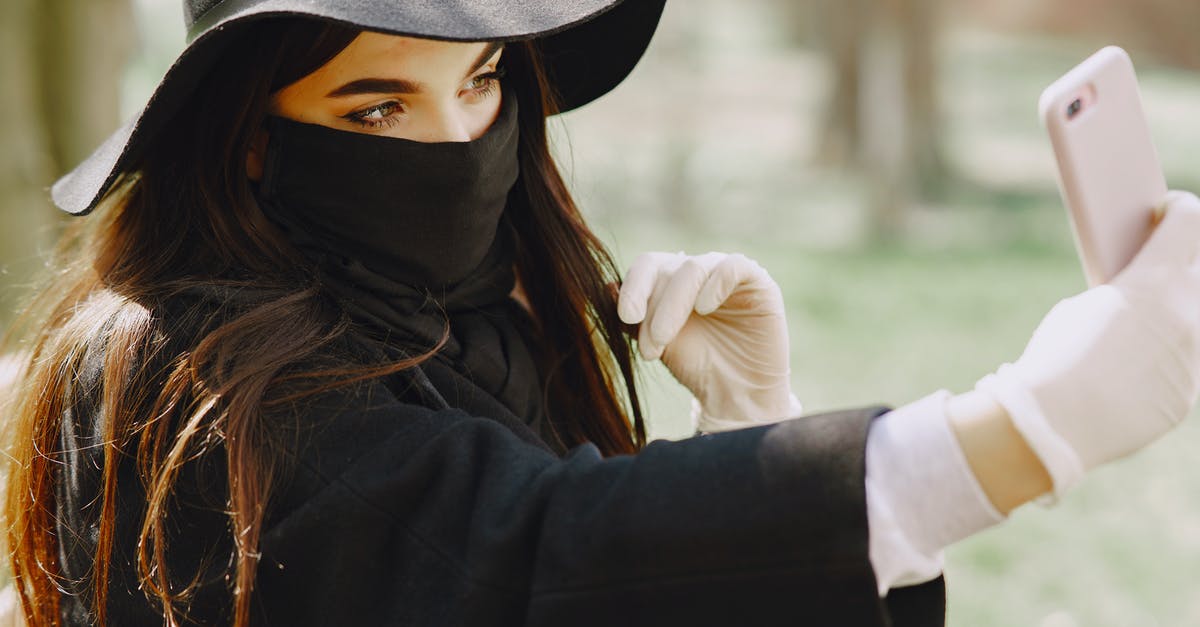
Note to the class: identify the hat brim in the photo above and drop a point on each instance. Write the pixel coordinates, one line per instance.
(589, 47)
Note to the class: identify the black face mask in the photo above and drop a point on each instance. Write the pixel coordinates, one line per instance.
(408, 236)
(419, 213)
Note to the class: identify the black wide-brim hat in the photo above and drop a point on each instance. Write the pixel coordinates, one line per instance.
(589, 46)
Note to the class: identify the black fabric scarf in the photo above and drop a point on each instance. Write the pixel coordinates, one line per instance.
(409, 236)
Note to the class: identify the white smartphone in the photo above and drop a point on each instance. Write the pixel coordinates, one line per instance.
(1109, 172)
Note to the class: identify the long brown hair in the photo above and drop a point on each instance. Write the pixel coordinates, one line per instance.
(181, 383)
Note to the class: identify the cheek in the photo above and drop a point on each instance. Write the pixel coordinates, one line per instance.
(484, 116)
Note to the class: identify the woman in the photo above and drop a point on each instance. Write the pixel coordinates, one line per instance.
(337, 348)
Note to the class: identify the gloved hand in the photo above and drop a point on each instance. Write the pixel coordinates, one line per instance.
(717, 321)
(1113, 368)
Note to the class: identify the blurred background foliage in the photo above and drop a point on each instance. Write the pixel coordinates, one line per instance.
(881, 158)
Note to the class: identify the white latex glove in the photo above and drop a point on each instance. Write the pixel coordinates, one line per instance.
(1115, 367)
(717, 321)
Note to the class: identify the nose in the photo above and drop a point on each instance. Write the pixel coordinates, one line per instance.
(444, 123)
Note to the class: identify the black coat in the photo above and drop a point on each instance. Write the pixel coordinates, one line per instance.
(421, 500)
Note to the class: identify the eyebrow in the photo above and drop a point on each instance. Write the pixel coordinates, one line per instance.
(402, 85)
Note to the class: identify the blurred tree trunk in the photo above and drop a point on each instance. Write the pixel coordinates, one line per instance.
(845, 25)
(886, 140)
(82, 49)
(60, 65)
(25, 166)
(918, 27)
(683, 47)
(883, 114)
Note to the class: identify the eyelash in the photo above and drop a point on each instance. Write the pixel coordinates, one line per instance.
(491, 84)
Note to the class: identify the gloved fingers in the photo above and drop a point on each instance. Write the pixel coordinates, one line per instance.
(634, 296)
(667, 315)
(614, 290)
(726, 277)
(649, 348)
(1176, 239)
(734, 272)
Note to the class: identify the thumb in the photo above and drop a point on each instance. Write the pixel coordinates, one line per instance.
(1176, 239)
(614, 292)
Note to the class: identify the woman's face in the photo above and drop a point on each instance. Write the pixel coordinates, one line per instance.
(417, 89)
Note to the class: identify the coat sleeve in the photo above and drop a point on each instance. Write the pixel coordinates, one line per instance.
(401, 515)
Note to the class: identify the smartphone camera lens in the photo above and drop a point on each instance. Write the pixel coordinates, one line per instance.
(1074, 108)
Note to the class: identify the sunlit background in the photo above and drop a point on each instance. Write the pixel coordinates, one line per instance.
(881, 158)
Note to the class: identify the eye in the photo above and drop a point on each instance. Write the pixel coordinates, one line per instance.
(381, 115)
(485, 84)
